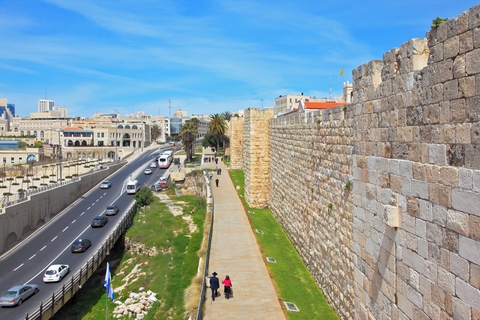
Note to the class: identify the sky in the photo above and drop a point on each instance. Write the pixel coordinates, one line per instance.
(200, 56)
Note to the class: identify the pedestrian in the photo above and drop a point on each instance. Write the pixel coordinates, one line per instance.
(216, 160)
(219, 171)
(214, 285)
(227, 285)
(211, 176)
(216, 182)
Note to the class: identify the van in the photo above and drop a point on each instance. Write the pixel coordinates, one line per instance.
(168, 152)
(164, 161)
(133, 186)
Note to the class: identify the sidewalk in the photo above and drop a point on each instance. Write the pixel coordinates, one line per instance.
(235, 252)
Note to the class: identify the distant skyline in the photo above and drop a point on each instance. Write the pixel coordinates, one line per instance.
(205, 56)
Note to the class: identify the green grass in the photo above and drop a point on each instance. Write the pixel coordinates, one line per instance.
(168, 274)
(290, 275)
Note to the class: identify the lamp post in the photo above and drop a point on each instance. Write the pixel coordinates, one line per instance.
(59, 155)
(116, 128)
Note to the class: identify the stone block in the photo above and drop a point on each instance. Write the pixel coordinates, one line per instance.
(461, 310)
(475, 275)
(474, 227)
(465, 41)
(440, 194)
(466, 87)
(472, 156)
(418, 189)
(472, 62)
(451, 47)
(446, 281)
(468, 294)
(465, 200)
(459, 266)
(431, 310)
(469, 249)
(439, 215)
(459, 67)
(437, 154)
(465, 178)
(415, 297)
(458, 222)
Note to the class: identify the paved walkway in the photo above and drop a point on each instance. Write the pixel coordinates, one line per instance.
(235, 252)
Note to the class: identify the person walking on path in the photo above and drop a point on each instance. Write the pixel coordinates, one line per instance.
(214, 285)
(227, 283)
(216, 182)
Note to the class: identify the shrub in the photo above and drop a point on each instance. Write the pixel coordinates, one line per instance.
(7, 194)
(44, 177)
(15, 184)
(20, 190)
(330, 205)
(68, 177)
(32, 187)
(52, 181)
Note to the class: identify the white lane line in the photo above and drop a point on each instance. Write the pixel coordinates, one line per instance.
(54, 239)
(93, 204)
(73, 221)
(32, 257)
(81, 214)
(18, 267)
(97, 200)
(88, 208)
(43, 248)
(64, 229)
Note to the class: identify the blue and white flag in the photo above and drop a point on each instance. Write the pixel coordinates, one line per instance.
(107, 284)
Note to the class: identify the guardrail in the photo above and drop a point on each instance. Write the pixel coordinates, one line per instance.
(49, 307)
(199, 315)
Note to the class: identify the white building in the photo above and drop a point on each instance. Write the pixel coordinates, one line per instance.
(45, 105)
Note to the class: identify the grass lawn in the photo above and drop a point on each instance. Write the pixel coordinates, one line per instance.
(168, 273)
(290, 275)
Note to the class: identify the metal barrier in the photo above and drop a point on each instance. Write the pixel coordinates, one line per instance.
(199, 315)
(48, 308)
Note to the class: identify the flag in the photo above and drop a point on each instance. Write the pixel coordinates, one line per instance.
(106, 283)
(341, 72)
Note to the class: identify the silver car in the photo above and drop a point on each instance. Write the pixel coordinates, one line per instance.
(16, 295)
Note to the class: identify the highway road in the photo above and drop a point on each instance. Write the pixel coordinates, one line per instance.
(51, 244)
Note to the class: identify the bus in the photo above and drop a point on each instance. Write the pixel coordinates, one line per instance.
(133, 186)
(165, 160)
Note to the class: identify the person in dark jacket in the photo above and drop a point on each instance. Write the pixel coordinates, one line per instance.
(214, 285)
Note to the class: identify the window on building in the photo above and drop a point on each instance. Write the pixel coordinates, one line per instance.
(98, 134)
(4, 159)
(20, 160)
(103, 135)
(12, 160)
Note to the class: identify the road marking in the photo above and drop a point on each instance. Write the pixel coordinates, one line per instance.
(88, 208)
(93, 204)
(43, 248)
(18, 267)
(82, 213)
(54, 239)
(32, 257)
(73, 221)
(64, 229)
(97, 200)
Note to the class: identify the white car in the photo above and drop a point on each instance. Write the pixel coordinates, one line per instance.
(56, 272)
(153, 165)
(147, 171)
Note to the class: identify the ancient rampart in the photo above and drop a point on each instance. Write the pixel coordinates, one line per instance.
(382, 199)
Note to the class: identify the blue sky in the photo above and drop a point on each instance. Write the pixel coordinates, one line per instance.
(205, 56)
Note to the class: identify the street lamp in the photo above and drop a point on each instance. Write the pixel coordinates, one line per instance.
(59, 154)
(116, 128)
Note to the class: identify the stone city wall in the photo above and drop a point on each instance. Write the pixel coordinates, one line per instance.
(416, 157)
(311, 164)
(235, 127)
(381, 199)
(256, 156)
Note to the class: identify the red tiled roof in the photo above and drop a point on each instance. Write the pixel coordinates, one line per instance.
(322, 104)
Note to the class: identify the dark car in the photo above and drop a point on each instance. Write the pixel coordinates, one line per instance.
(111, 210)
(81, 245)
(99, 221)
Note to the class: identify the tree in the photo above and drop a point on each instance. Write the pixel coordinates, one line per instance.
(227, 116)
(188, 132)
(155, 132)
(144, 196)
(217, 127)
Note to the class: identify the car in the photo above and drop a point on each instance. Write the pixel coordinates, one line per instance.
(147, 171)
(99, 221)
(56, 272)
(81, 245)
(153, 165)
(111, 210)
(17, 294)
(159, 186)
(105, 184)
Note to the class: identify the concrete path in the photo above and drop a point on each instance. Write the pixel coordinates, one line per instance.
(235, 252)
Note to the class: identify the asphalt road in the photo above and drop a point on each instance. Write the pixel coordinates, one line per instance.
(51, 244)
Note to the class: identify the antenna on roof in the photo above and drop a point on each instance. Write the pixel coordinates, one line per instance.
(330, 87)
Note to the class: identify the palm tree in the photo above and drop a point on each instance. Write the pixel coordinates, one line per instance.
(155, 132)
(217, 127)
(188, 132)
(227, 115)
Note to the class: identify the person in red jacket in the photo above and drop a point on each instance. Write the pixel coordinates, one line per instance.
(227, 283)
